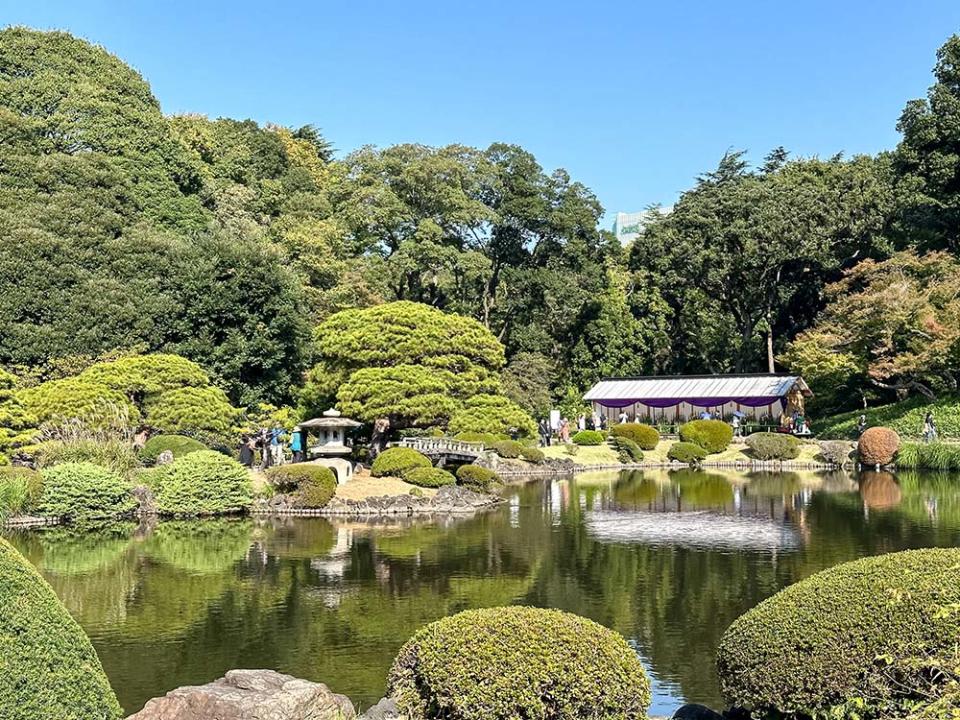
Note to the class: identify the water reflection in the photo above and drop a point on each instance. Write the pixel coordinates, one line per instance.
(667, 559)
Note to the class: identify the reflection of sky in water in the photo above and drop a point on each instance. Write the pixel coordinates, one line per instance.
(692, 529)
(663, 693)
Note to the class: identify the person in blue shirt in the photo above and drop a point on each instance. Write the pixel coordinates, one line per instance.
(297, 442)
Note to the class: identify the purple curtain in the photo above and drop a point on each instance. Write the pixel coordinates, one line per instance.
(697, 402)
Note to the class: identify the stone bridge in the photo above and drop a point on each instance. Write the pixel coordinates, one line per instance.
(443, 449)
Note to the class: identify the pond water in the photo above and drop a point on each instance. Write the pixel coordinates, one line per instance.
(667, 559)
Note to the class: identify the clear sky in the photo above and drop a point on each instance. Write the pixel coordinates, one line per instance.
(632, 98)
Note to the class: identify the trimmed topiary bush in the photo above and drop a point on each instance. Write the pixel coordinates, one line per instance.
(878, 446)
(773, 446)
(179, 445)
(854, 631)
(509, 448)
(50, 669)
(475, 476)
(488, 439)
(204, 482)
(687, 453)
(518, 662)
(645, 436)
(836, 452)
(627, 450)
(532, 454)
(84, 491)
(313, 485)
(394, 462)
(192, 409)
(588, 437)
(429, 477)
(714, 436)
(492, 414)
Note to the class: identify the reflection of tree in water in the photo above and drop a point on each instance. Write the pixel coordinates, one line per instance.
(201, 547)
(879, 490)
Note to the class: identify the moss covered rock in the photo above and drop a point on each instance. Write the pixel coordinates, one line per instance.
(48, 668)
(518, 662)
(852, 631)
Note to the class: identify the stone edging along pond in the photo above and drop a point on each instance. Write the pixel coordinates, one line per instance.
(752, 466)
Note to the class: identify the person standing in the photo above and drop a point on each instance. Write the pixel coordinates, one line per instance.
(245, 450)
(297, 444)
(736, 426)
(582, 422)
(861, 425)
(276, 445)
(623, 417)
(929, 428)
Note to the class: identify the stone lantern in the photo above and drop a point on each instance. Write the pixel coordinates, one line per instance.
(326, 442)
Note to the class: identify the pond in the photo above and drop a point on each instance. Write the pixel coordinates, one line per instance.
(667, 559)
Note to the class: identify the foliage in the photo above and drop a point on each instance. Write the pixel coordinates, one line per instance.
(17, 426)
(928, 456)
(200, 483)
(397, 461)
(408, 394)
(138, 376)
(315, 484)
(905, 418)
(430, 477)
(532, 454)
(178, 445)
(114, 454)
(193, 410)
(20, 490)
(773, 446)
(488, 439)
(51, 669)
(508, 448)
(518, 662)
(492, 414)
(476, 477)
(627, 450)
(846, 632)
(83, 491)
(836, 452)
(588, 437)
(57, 401)
(878, 446)
(714, 436)
(526, 381)
(686, 452)
(645, 436)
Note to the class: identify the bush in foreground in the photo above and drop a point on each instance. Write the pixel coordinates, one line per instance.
(84, 491)
(430, 477)
(714, 436)
(396, 461)
(50, 669)
(588, 437)
(773, 446)
(853, 631)
(178, 445)
(518, 662)
(476, 477)
(204, 482)
(313, 486)
(646, 436)
(627, 450)
(687, 453)
(836, 452)
(878, 446)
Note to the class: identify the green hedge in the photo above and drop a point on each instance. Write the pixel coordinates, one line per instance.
(50, 670)
(477, 477)
(687, 453)
(204, 482)
(588, 437)
(396, 461)
(518, 662)
(429, 477)
(20, 490)
(714, 436)
(849, 632)
(906, 418)
(645, 436)
(928, 456)
(84, 491)
(627, 450)
(179, 445)
(773, 446)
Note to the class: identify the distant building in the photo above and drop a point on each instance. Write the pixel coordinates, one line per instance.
(627, 226)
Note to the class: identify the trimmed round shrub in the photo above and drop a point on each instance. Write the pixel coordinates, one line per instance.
(687, 453)
(396, 461)
(509, 448)
(773, 446)
(836, 452)
(532, 454)
(475, 476)
(50, 669)
(518, 662)
(429, 477)
(178, 445)
(288, 477)
(588, 437)
(488, 439)
(492, 414)
(878, 446)
(627, 450)
(84, 491)
(645, 436)
(855, 630)
(316, 491)
(714, 436)
(204, 482)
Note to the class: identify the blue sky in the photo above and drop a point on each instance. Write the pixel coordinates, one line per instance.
(632, 98)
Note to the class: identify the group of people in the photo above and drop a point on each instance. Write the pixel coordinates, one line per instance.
(272, 445)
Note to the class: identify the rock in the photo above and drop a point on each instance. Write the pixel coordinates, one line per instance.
(165, 458)
(692, 711)
(386, 709)
(147, 505)
(250, 695)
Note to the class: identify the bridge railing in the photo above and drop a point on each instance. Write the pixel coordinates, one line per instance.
(442, 445)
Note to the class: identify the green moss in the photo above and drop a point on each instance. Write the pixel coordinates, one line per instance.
(588, 437)
(394, 462)
(518, 662)
(773, 446)
(83, 491)
(847, 632)
(201, 483)
(714, 436)
(646, 436)
(49, 668)
(429, 477)
(179, 445)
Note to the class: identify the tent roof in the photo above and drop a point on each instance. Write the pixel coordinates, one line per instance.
(695, 386)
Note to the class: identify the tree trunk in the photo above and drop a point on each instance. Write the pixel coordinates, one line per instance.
(770, 367)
